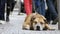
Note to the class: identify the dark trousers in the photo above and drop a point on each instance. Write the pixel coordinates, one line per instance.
(40, 6)
(2, 9)
(51, 13)
(8, 7)
(13, 4)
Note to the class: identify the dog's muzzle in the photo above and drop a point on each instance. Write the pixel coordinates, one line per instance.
(39, 27)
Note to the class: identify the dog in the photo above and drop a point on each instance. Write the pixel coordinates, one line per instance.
(35, 21)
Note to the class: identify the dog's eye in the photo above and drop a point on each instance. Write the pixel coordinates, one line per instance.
(35, 22)
(41, 22)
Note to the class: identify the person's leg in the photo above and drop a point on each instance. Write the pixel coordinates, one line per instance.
(13, 5)
(52, 14)
(55, 4)
(52, 9)
(43, 10)
(28, 6)
(8, 10)
(40, 7)
(20, 8)
(2, 11)
(48, 16)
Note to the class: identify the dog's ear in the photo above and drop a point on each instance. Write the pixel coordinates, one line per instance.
(43, 17)
(32, 18)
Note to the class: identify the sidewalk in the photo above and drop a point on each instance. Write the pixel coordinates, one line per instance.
(15, 26)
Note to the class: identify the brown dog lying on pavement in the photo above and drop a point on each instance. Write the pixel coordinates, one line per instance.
(35, 21)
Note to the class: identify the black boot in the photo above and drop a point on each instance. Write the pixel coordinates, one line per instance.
(7, 19)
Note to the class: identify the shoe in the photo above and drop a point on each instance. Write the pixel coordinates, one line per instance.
(7, 19)
(18, 14)
(50, 22)
(21, 14)
(55, 21)
(2, 22)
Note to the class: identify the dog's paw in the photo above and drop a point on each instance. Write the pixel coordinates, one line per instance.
(24, 28)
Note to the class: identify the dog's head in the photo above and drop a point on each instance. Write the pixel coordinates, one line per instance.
(38, 22)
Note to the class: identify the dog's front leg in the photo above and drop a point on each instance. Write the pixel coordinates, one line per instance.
(49, 28)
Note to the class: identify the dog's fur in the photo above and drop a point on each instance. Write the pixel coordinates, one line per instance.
(34, 19)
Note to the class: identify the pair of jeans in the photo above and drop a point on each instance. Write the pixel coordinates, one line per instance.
(2, 9)
(40, 6)
(51, 13)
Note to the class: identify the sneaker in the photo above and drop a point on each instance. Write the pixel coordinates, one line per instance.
(2, 22)
(56, 21)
